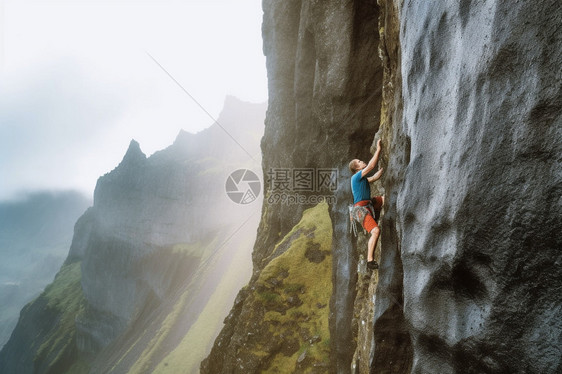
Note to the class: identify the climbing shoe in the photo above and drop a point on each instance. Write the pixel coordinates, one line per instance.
(372, 265)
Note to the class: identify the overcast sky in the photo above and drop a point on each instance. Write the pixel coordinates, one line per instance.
(77, 82)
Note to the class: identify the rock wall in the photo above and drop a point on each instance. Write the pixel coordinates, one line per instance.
(469, 111)
(473, 101)
(324, 88)
(324, 102)
(390, 348)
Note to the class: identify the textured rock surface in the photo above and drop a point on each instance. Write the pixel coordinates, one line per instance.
(474, 205)
(390, 349)
(331, 101)
(324, 100)
(470, 273)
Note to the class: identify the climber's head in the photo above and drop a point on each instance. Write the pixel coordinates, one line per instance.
(356, 165)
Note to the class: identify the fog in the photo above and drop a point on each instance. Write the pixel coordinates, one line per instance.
(77, 82)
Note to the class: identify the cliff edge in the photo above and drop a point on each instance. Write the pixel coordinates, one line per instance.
(467, 100)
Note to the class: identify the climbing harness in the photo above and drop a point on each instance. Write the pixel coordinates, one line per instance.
(357, 214)
(352, 222)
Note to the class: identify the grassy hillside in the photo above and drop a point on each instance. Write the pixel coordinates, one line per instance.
(173, 338)
(48, 323)
(295, 290)
(179, 330)
(64, 295)
(196, 344)
(35, 234)
(283, 324)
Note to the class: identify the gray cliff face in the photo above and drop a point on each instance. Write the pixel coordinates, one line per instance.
(142, 210)
(469, 108)
(324, 102)
(474, 208)
(330, 102)
(134, 216)
(479, 211)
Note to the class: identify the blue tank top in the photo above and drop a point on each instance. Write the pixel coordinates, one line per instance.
(360, 188)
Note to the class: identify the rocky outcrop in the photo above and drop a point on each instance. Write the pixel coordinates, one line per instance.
(134, 216)
(142, 210)
(324, 102)
(475, 146)
(470, 272)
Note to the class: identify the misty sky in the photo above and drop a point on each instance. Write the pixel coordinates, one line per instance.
(77, 82)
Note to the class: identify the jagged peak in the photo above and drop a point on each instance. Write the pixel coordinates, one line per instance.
(183, 136)
(134, 150)
(134, 153)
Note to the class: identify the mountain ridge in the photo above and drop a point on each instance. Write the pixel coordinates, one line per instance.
(146, 244)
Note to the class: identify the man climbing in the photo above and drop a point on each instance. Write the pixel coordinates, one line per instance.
(365, 208)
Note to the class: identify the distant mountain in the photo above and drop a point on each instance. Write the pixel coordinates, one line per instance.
(155, 263)
(35, 233)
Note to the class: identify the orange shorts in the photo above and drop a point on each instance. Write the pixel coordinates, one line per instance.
(369, 222)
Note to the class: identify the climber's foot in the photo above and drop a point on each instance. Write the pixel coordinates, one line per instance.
(372, 265)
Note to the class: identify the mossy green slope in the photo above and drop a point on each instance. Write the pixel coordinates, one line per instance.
(48, 322)
(64, 296)
(148, 338)
(283, 326)
(181, 327)
(295, 290)
(196, 344)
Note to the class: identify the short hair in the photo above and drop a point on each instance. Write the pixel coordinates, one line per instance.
(352, 165)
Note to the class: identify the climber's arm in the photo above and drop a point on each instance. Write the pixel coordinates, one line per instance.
(371, 165)
(375, 176)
